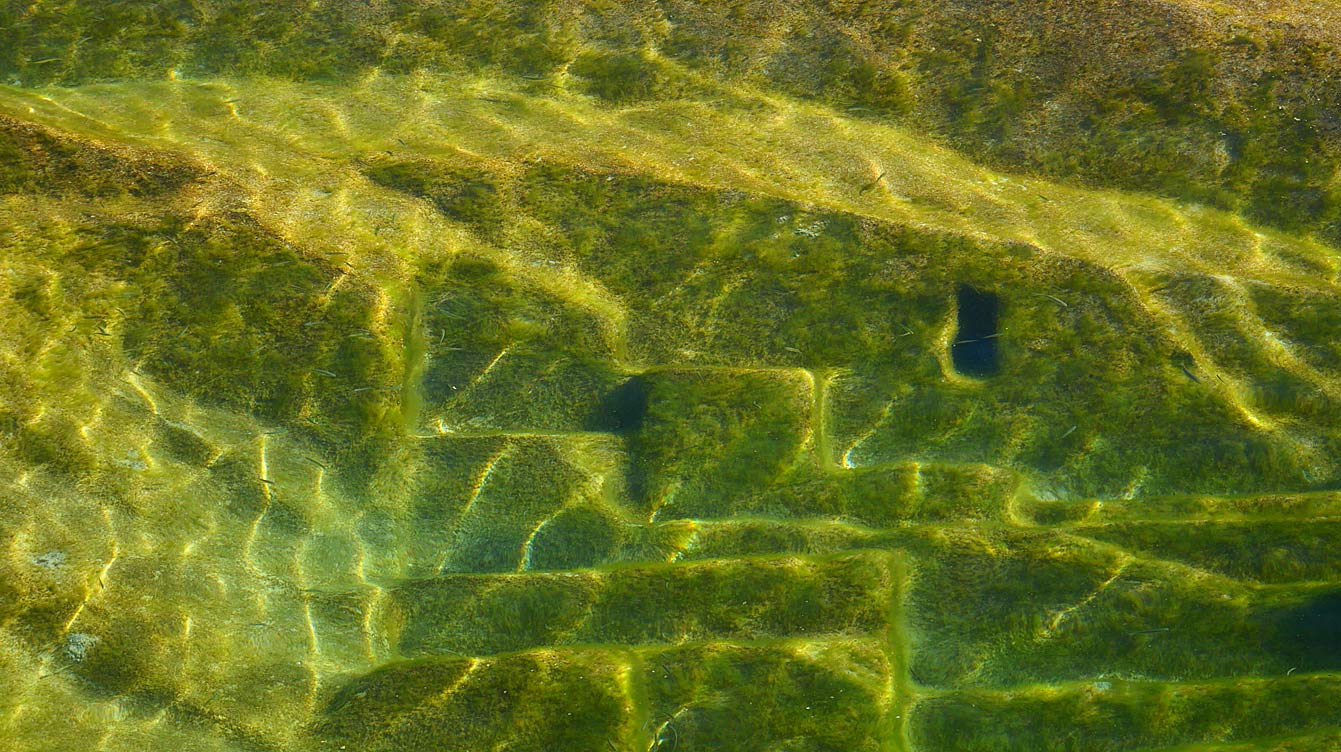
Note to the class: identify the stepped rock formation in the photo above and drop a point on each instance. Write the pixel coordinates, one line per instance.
(895, 375)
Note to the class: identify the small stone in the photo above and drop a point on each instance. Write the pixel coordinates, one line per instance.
(78, 645)
(51, 560)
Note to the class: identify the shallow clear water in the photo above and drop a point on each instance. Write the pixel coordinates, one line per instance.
(669, 377)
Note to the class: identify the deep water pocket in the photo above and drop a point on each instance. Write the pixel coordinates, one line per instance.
(974, 351)
(623, 409)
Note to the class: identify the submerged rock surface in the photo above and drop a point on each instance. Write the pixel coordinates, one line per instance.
(669, 376)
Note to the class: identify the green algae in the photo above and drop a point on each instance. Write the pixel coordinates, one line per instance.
(745, 600)
(462, 193)
(37, 160)
(746, 697)
(1229, 117)
(1120, 715)
(711, 434)
(503, 352)
(581, 377)
(622, 77)
(531, 701)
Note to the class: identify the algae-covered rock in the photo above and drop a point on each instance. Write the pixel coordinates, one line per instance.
(1122, 714)
(823, 697)
(649, 604)
(505, 352)
(712, 434)
(528, 701)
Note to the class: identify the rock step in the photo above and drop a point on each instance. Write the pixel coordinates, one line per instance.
(826, 694)
(852, 594)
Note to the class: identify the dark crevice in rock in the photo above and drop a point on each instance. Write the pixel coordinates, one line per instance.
(623, 409)
(1308, 635)
(974, 351)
